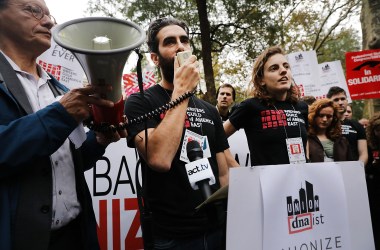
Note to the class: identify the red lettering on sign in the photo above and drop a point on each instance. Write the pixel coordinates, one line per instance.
(131, 241)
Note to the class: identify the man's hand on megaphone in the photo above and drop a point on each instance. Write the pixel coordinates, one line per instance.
(105, 138)
(186, 76)
(77, 102)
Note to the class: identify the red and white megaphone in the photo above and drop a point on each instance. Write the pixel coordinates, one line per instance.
(102, 46)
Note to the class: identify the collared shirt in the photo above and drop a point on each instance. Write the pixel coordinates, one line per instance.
(66, 206)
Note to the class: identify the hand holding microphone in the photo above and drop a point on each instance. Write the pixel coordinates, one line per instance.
(199, 169)
(186, 68)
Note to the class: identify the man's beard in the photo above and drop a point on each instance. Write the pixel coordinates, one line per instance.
(167, 68)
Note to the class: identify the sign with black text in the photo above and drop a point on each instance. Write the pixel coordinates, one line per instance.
(302, 206)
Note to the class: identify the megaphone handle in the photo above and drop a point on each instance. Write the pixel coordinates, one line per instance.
(105, 115)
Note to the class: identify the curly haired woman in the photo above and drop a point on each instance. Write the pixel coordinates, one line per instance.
(274, 119)
(325, 139)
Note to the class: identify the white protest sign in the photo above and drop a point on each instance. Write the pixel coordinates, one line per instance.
(301, 210)
(304, 67)
(331, 74)
(262, 198)
(63, 65)
(239, 148)
(113, 189)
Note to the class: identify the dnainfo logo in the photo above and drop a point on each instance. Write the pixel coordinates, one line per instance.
(304, 210)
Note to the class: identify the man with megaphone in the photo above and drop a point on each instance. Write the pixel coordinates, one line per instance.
(44, 200)
(170, 190)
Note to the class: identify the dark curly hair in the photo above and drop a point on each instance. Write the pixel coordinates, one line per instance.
(334, 131)
(259, 90)
(372, 139)
(157, 25)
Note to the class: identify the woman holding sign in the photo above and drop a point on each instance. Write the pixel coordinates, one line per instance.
(325, 139)
(274, 119)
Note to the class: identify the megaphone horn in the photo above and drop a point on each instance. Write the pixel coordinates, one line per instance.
(102, 46)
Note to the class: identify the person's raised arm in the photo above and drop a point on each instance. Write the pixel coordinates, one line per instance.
(165, 139)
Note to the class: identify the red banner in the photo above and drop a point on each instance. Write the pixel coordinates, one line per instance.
(363, 74)
(131, 85)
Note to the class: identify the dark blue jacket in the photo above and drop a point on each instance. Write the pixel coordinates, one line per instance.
(27, 140)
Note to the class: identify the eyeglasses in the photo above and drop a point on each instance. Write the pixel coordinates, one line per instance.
(36, 11)
(325, 115)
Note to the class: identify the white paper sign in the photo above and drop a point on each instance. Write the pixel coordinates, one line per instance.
(301, 210)
(239, 148)
(62, 64)
(258, 212)
(304, 66)
(331, 74)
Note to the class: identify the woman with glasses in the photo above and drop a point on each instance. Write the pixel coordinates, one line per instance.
(325, 139)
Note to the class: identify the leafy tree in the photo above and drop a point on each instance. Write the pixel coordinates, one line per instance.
(229, 34)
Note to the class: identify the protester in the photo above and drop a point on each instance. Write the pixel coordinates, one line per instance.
(351, 129)
(373, 174)
(348, 113)
(273, 119)
(309, 99)
(364, 122)
(44, 200)
(162, 147)
(325, 139)
(225, 97)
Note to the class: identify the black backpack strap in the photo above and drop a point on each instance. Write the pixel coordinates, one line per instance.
(145, 213)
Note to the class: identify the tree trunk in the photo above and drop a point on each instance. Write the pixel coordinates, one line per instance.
(370, 20)
(206, 51)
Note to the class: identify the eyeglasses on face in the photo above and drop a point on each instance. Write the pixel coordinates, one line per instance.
(35, 10)
(325, 115)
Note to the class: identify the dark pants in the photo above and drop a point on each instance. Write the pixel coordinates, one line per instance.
(67, 237)
(212, 240)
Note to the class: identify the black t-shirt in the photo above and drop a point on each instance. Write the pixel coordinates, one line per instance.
(170, 196)
(268, 126)
(353, 131)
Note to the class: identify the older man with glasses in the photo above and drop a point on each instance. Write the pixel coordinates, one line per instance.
(44, 200)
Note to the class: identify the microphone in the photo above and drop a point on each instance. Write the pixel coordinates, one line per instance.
(199, 169)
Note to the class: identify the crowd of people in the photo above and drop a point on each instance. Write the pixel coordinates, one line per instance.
(44, 200)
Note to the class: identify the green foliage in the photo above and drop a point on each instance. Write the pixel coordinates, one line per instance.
(338, 44)
(240, 30)
(357, 109)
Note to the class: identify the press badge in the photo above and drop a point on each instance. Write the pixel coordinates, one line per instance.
(202, 140)
(296, 151)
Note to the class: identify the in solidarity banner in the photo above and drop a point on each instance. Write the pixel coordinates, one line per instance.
(363, 74)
